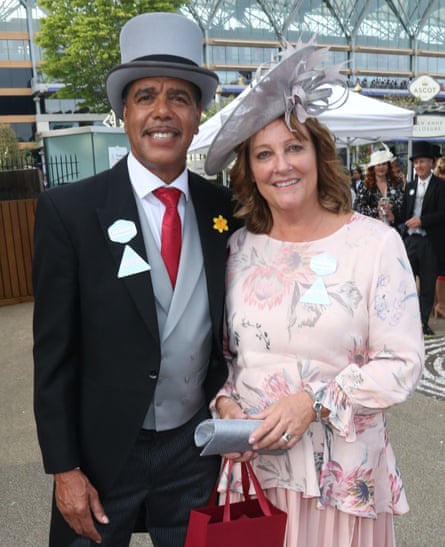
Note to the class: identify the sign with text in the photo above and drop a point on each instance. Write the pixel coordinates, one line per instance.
(424, 88)
(429, 126)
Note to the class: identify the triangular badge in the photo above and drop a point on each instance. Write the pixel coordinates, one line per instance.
(132, 263)
(317, 294)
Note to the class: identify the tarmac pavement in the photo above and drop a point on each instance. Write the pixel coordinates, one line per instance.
(416, 431)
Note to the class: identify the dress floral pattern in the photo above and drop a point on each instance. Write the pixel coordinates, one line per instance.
(340, 315)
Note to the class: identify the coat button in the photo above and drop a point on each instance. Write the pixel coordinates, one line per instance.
(153, 375)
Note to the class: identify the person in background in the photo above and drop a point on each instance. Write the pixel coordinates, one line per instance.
(396, 166)
(439, 169)
(323, 329)
(356, 180)
(439, 304)
(381, 194)
(423, 213)
(127, 324)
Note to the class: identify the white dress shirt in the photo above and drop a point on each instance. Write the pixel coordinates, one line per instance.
(422, 186)
(144, 182)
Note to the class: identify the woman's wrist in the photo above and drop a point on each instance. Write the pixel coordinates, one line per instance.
(320, 412)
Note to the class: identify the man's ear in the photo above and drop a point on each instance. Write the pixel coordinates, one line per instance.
(198, 119)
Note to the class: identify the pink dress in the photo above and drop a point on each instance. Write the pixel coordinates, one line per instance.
(341, 315)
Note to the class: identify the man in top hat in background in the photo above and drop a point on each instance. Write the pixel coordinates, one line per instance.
(127, 344)
(424, 214)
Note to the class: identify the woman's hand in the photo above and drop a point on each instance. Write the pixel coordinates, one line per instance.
(229, 409)
(385, 210)
(284, 422)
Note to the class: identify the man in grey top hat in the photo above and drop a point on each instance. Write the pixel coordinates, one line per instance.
(127, 333)
(424, 214)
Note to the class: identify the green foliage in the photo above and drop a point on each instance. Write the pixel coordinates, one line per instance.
(11, 156)
(409, 102)
(80, 41)
(213, 108)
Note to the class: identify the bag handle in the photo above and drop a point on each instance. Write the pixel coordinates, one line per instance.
(245, 481)
(247, 476)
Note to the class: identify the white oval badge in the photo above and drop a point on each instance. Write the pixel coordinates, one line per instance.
(323, 264)
(122, 231)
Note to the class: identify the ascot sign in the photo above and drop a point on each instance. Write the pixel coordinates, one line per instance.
(424, 88)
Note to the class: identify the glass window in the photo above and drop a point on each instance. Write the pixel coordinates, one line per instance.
(24, 131)
(15, 77)
(16, 106)
(14, 50)
(431, 64)
(60, 106)
(18, 50)
(375, 61)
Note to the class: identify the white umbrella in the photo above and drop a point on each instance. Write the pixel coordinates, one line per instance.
(359, 120)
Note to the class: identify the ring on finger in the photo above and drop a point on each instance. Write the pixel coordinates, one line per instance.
(286, 437)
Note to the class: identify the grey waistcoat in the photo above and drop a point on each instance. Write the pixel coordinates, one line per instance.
(184, 328)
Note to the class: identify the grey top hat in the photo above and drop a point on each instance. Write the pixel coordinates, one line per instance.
(160, 44)
(423, 149)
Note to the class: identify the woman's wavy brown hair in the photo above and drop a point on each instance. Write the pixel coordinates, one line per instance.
(334, 193)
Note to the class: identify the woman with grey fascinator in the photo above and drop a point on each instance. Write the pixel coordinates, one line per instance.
(323, 331)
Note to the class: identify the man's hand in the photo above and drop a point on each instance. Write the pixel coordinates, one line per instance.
(78, 500)
(414, 222)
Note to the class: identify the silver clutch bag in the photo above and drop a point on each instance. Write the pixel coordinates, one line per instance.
(226, 436)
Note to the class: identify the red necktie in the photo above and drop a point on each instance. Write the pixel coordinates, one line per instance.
(171, 230)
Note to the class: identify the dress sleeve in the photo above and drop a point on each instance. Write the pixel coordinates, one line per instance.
(395, 344)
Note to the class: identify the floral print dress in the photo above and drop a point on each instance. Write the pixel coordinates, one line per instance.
(366, 201)
(340, 315)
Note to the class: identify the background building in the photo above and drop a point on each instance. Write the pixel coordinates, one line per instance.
(385, 44)
(26, 102)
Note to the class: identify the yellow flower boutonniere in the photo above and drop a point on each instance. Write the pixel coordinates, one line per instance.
(220, 224)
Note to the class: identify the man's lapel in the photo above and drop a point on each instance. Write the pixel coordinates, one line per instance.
(429, 193)
(410, 193)
(213, 244)
(121, 205)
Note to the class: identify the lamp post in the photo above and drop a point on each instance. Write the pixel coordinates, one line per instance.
(28, 5)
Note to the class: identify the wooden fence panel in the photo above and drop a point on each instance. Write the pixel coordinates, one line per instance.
(16, 248)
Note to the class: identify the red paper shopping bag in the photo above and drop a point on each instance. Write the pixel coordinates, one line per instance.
(249, 523)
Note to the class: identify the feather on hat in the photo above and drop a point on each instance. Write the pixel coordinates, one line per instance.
(295, 84)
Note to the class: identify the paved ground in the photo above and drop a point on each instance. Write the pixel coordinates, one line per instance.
(416, 429)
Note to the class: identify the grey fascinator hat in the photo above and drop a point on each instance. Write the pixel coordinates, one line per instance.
(296, 83)
(160, 44)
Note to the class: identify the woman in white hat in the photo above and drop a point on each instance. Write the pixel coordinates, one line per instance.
(381, 194)
(320, 338)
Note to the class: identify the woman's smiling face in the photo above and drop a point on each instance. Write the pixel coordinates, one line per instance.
(284, 168)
